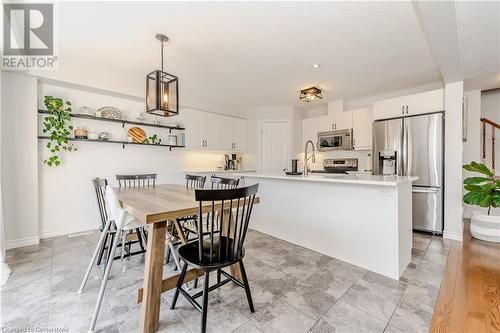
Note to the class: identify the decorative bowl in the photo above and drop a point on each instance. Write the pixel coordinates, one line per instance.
(104, 136)
(110, 112)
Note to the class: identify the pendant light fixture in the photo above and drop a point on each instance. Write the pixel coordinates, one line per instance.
(162, 89)
(310, 94)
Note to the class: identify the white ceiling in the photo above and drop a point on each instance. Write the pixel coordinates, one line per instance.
(479, 28)
(256, 53)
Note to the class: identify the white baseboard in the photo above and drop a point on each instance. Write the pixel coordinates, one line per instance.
(68, 230)
(4, 273)
(12, 244)
(453, 235)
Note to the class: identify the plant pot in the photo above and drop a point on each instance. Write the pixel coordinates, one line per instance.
(485, 227)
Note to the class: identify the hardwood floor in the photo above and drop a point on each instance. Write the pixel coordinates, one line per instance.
(469, 298)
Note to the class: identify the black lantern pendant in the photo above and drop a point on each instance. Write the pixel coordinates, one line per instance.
(162, 89)
(310, 94)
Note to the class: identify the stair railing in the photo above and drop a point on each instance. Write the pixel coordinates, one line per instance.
(494, 126)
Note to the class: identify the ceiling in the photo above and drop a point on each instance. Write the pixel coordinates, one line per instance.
(257, 53)
(479, 29)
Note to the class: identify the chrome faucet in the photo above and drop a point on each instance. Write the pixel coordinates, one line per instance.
(306, 158)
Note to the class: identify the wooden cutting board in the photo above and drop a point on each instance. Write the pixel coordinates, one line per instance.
(137, 134)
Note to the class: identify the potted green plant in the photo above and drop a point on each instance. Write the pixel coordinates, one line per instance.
(483, 191)
(58, 127)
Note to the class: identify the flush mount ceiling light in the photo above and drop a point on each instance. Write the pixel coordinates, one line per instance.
(310, 94)
(315, 66)
(162, 89)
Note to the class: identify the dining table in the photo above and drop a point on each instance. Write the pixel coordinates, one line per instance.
(158, 207)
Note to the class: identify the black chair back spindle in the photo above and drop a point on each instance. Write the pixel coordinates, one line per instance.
(148, 179)
(194, 181)
(221, 183)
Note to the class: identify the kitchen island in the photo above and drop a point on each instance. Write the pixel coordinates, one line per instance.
(364, 220)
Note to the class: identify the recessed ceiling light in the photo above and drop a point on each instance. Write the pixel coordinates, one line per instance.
(315, 66)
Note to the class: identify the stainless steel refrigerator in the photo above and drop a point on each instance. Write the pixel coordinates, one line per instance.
(413, 146)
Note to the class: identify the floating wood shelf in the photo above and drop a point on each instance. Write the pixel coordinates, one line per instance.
(123, 143)
(123, 122)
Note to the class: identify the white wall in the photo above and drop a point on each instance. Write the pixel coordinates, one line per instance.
(453, 224)
(41, 201)
(257, 115)
(19, 159)
(472, 145)
(490, 108)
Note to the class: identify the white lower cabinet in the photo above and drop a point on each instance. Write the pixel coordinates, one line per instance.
(212, 131)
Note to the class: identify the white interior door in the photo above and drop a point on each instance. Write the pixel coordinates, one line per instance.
(274, 146)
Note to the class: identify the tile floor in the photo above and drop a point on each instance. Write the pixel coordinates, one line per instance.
(294, 290)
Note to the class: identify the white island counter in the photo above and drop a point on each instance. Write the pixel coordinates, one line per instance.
(361, 219)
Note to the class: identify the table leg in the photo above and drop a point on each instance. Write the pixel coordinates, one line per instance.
(153, 275)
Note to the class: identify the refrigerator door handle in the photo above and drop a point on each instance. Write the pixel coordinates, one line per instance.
(404, 151)
(425, 190)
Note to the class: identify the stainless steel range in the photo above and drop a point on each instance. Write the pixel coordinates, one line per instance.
(338, 165)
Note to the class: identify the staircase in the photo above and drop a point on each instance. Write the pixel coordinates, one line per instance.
(493, 128)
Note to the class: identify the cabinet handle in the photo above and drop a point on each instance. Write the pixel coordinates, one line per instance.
(407, 109)
(403, 109)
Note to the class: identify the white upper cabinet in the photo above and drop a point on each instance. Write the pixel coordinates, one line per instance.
(337, 120)
(239, 139)
(341, 120)
(223, 133)
(426, 102)
(211, 125)
(211, 131)
(310, 130)
(194, 129)
(362, 124)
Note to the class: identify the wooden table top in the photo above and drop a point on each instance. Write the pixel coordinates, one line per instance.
(152, 204)
(158, 203)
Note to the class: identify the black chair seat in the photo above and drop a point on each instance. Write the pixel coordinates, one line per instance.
(219, 257)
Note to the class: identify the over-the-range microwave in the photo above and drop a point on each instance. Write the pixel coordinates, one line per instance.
(335, 140)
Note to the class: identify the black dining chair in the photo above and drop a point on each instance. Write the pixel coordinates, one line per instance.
(190, 226)
(147, 179)
(215, 250)
(224, 183)
(192, 182)
(100, 187)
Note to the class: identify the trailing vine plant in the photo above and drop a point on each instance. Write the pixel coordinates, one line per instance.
(58, 128)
